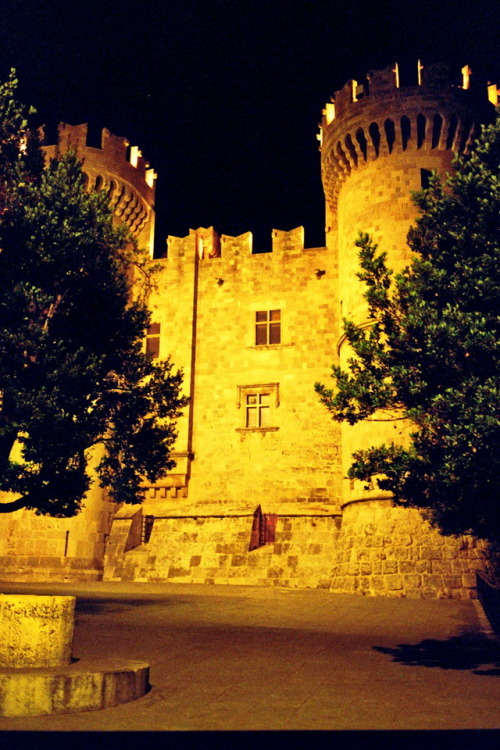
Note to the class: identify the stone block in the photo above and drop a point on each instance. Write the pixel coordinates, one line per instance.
(422, 566)
(407, 566)
(441, 566)
(177, 572)
(390, 566)
(434, 581)
(430, 553)
(412, 581)
(401, 553)
(452, 582)
(238, 560)
(413, 593)
(394, 582)
(468, 580)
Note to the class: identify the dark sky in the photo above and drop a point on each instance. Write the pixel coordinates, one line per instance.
(224, 96)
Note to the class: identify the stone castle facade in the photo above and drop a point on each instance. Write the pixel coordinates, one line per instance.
(253, 333)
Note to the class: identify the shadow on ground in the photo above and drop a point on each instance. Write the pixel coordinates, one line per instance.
(112, 606)
(467, 651)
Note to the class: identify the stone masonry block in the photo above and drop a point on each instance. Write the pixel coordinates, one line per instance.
(238, 560)
(412, 581)
(430, 553)
(394, 582)
(390, 566)
(452, 582)
(468, 580)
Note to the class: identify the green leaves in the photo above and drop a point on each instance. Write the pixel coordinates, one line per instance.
(72, 369)
(431, 349)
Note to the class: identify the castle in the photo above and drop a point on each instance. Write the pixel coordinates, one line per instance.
(258, 494)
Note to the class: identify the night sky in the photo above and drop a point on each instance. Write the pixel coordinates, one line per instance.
(224, 96)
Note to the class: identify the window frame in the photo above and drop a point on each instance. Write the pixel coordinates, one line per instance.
(153, 339)
(266, 327)
(257, 391)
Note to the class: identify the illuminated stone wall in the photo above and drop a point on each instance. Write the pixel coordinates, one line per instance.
(211, 549)
(378, 142)
(206, 307)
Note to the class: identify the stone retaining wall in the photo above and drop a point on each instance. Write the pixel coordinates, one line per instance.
(214, 549)
(384, 550)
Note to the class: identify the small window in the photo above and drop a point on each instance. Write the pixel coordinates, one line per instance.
(258, 403)
(267, 327)
(257, 410)
(153, 340)
(425, 178)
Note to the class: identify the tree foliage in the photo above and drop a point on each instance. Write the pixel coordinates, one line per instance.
(432, 351)
(73, 374)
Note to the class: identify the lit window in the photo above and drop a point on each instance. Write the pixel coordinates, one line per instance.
(153, 340)
(257, 410)
(267, 327)
(259, 403)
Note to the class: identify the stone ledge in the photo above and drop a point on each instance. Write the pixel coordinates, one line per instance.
(82, 686)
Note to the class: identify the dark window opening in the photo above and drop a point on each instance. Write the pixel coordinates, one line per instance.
(153, 340)
(425, 178)
(94, 135)
(267, 327)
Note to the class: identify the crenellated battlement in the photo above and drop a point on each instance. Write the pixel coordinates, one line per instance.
(379, 118)
(118, 168)
(114, 149)
(206, 243)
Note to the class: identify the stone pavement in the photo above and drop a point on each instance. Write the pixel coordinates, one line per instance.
(247, 658)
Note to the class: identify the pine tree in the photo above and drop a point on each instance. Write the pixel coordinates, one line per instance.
(73, 374)
(432, 351)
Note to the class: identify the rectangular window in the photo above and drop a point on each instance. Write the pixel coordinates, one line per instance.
(258, 407)
(267, 327)
(258, 404)
(153, 340)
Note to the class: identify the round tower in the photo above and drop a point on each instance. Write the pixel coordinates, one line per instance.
(118, 168)
(379, 142)
(41, 548)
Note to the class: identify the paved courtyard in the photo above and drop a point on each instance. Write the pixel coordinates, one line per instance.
(245, 658)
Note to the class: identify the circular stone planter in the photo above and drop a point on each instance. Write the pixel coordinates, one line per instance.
(36, 673)
(90, 686)
(35, 631)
